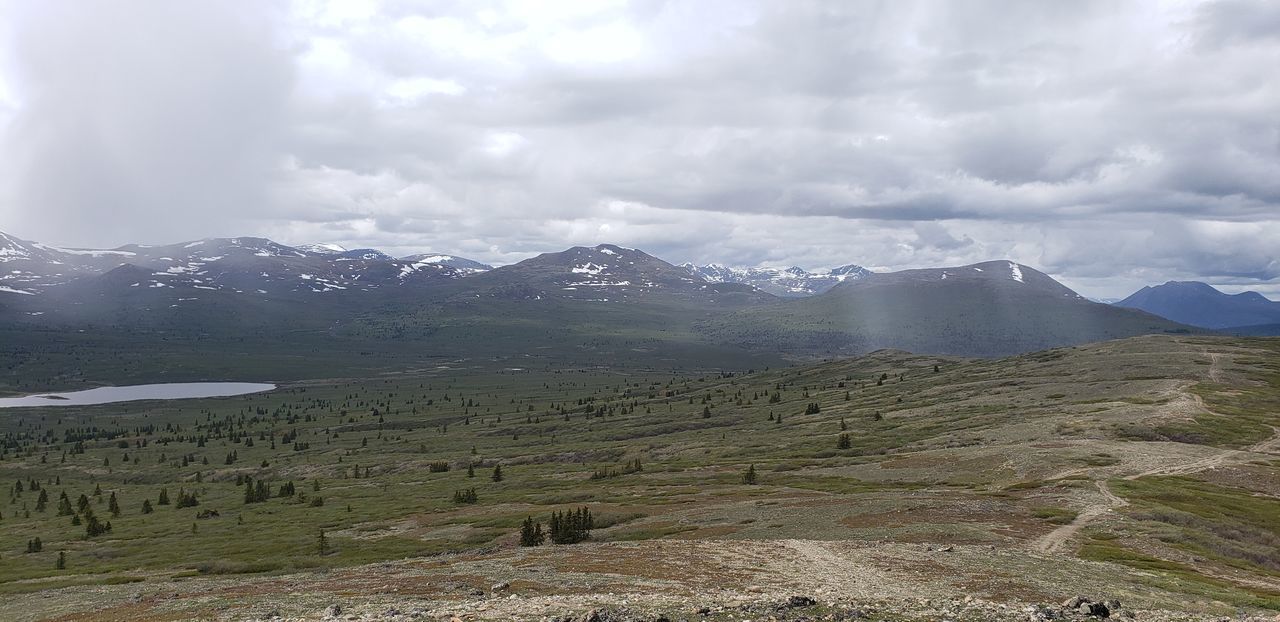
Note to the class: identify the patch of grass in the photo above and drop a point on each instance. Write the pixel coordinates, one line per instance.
(1177, 577)
(1057, 516)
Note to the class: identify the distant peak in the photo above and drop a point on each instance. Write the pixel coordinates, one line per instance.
(323, 248)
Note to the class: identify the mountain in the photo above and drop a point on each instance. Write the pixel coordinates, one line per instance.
(987, 309)
(244, 265)
(785, 282)
(323, 248)
(601, 274)
(1199, 304)
(584, 303)
(461, 263)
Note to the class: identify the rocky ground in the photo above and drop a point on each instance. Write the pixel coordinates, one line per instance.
(714, 581)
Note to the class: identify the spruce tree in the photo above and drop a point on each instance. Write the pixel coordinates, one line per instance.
(750, 476)
(531, 533)
(497, 472)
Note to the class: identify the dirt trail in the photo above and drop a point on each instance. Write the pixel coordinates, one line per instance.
(1215, 366)
(1054, 540)
(1269, 446)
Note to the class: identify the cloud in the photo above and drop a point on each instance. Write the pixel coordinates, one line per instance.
(1090, 138)
(140, 119)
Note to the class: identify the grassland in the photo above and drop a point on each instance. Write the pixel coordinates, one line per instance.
(987, 456)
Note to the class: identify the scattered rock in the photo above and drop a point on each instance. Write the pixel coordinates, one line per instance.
(333, 611)
(800, 601)
(500, 587)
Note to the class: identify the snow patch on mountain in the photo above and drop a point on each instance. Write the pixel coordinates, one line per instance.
(792, 282)
(322, 248)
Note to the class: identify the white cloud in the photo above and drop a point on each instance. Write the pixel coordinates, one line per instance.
(1091, 139)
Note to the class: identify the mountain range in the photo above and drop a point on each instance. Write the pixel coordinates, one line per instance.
(790, 282)
(1200, 304)
(584, 303)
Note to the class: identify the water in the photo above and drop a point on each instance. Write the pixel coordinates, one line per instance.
(111, 395)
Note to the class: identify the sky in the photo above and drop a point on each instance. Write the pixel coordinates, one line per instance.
(1110, 144)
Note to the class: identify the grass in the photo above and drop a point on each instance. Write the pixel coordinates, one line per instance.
(1180, 578)
(367, 442)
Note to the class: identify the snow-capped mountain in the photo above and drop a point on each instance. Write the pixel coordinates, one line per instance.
(461, 263)
(242, 265)
(604, 273)
(790, 282)
(322, 248)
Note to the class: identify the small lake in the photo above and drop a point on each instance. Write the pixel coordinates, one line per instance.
(111, 395)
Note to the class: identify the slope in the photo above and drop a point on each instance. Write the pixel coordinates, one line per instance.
(987, 309)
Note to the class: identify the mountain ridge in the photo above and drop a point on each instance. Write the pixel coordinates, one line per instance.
(1200, 304)
(792, 282)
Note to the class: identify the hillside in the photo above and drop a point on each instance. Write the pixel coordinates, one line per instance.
(1140, 472)
(987, 309)
(1199, 304)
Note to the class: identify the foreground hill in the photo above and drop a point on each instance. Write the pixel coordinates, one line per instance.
(987, 309)
(1140, 473)
(1199, 304)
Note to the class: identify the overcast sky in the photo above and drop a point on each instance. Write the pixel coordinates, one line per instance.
(1110, 144)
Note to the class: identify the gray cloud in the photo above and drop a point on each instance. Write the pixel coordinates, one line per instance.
(140, 119)
(1134, 140)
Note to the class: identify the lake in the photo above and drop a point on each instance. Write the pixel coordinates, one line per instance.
(110, 395)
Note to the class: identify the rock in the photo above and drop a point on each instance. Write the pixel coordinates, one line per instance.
(1100, 610)
(1074, 602)
(333, 611)
(800, 601)
(947, 549)
(500, 587)
(1112, 604)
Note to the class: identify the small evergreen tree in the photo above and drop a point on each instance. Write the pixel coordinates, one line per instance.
(62, 561)
(749, 477)
(497, 472)
(844, 442)
(531, 533)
